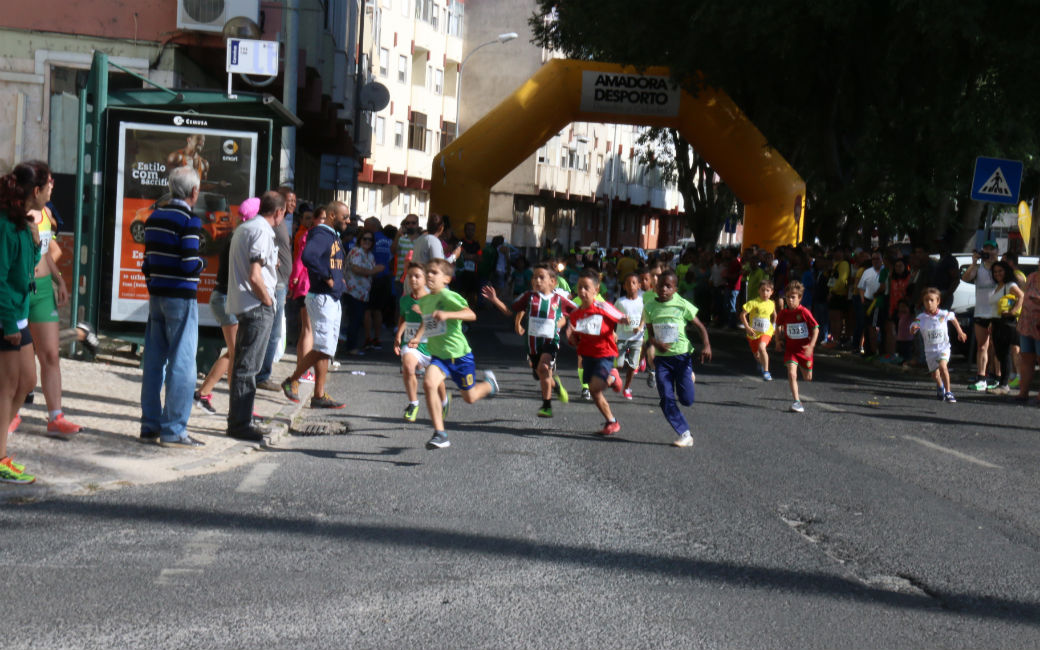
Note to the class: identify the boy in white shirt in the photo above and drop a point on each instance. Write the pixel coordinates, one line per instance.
(932, 324)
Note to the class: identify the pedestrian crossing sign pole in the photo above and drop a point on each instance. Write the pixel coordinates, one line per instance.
(996, 180)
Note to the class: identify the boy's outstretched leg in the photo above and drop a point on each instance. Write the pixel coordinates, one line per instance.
(792, 379)
(675, 386)
(596, 387)
(545, 381)
(433, 383)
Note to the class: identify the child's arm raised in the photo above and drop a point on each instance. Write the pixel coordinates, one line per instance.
(491, 296)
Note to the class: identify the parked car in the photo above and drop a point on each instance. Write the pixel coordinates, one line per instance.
(211, 208)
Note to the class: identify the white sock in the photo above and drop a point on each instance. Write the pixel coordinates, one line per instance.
(414, 402)
(444, 403)
(55, 414)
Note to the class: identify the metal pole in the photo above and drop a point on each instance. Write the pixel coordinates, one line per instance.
(77, 240)
(357, 111)
(292, 56)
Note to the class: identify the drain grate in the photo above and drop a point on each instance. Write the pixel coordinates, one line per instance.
(320, 428)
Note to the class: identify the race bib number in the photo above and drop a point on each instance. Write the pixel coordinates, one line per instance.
(590, 325)
(761, 324)
(435, 327)
(935, 336)
(633, 321)
(797, 331)
(666, 332)
(469, 265)
(410, 330)
(542, 327)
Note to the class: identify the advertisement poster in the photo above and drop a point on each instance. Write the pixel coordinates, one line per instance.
(226, 161)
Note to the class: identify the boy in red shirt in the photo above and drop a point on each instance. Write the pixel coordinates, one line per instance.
(592, 332)
(797, 327)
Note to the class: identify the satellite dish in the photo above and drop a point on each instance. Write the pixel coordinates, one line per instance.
(374, 96)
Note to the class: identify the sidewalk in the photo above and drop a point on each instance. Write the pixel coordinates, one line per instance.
(104, 398)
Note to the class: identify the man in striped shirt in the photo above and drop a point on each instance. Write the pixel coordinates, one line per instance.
(171, 269)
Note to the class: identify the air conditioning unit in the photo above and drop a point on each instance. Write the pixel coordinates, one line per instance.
(211, 15)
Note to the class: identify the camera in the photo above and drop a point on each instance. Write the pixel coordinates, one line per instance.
(984, 255)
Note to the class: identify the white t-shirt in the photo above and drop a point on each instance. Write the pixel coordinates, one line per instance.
(935, 330)
(633, 308)
(997, 293)
(984, 306)
(869, 283)
(427, 247)
(252, 241)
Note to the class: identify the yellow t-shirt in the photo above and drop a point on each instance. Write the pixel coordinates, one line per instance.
(760, 316)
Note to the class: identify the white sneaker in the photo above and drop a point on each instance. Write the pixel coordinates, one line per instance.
(797, 407)
(685, 440)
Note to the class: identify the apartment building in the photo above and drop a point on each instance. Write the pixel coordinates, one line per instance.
(414, 48)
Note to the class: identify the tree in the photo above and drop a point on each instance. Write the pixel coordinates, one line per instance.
(706, 199)
(881, 105)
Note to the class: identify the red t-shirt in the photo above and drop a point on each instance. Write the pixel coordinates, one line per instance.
(595, 327)
(797, 325)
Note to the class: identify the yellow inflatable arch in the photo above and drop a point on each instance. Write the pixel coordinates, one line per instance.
(565, 91)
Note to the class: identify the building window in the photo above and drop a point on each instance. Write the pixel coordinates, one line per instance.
(402, 69)
(398, 134)
(435, 17)
(380, 130)
(455, 16)
(384, 62)
(448, 134)
(417, 132)
(599, 164)
(438, 81)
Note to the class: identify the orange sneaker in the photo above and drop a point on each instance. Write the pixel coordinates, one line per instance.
(610, 428)
(63, 427)
(14, 423)
(9, 463)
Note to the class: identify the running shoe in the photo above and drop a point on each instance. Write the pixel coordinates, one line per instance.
(586, 394)
(90, 339)
(446, 408)
(438, 441)
(8, 462)
(766, 376)
(610, 428)
(685, 440)
(940, 392)
(187, 442)
(564, 396)
(651, 379)
(628, 393)
(979, 385)
(1014, 383)
(490, 378)
(325, 402)
(998, 390)
(545, 412)
(991, 382)
(797, 407)
(60, 427)
(291, 390)
(642, 365)
(616, 384)
(307, 378)
(950, 398)
(9, 475)
(335, 365)
(205, 402)
(410, 412)
(14, 424)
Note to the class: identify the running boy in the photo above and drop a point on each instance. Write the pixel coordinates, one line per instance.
(758, 318)
(795, 325)
(443, 312)
(666, 316)
(414, 358)
(546, 311)
(630, 335)
(592, 332)
(932, 323)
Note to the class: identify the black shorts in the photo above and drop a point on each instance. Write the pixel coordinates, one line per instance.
(299, 304)
(381, 293)
(837, 303)
(26, 340)
(984, 322)
(548, 347)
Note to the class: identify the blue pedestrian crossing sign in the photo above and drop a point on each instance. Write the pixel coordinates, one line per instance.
(996, 180)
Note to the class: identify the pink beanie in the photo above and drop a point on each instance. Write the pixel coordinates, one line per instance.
(249, 208)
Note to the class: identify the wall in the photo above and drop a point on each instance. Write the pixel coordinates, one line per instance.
(133, 20)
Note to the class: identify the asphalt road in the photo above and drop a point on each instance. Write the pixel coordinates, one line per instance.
(879, 518)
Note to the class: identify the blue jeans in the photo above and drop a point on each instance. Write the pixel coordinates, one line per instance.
(674, 383)
(171, 339)
(280, 291)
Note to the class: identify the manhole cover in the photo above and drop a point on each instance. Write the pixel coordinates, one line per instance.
(320, 428)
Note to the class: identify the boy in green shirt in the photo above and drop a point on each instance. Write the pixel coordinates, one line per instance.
(666, 316)
(443, 312)
(414, 358)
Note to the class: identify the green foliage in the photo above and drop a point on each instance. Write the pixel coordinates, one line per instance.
(881, 105)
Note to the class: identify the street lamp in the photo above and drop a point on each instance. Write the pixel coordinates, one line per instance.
(501, 38)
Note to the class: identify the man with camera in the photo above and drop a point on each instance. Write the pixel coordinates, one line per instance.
(981, 275)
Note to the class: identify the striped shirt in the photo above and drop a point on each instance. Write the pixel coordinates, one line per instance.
(171, 251)
(542, 313)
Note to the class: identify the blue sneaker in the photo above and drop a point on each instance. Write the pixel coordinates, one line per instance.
(766, 376)
(489, 377)
(438, 441)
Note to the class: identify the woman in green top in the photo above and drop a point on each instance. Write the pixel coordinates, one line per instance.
(25, 190)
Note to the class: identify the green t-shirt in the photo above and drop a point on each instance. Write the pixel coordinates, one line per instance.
(412, 321)
(444, 339)
(669, 320)
(561, 283)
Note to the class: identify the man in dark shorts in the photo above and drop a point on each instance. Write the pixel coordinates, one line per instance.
(466, 279)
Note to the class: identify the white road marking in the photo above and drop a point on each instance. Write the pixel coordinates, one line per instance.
(952, 452)
(256, 479)
(824, 405)
(199, 553)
